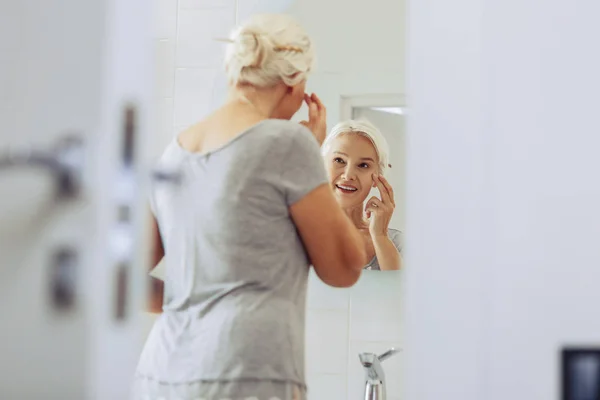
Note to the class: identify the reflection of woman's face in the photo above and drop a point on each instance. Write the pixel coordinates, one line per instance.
(351, 161)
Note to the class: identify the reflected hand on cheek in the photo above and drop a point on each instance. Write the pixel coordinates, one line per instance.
(380, 211)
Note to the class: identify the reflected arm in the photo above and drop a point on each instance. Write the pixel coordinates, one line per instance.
(387, 254)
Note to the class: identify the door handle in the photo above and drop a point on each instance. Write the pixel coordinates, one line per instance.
(163, 176)
(64, 160)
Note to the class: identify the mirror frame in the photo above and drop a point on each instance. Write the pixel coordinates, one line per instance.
(348, 103)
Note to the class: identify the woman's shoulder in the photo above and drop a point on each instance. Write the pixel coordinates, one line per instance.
(396, 236)
(394, 232)
(283, 136)
(285, 130)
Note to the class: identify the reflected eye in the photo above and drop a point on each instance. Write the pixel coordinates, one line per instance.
(338, 160)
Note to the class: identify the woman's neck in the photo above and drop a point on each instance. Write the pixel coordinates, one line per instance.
(262, 101)
(355, 214)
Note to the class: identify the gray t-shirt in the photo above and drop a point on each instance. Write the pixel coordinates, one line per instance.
(236, 270)
(396, 237)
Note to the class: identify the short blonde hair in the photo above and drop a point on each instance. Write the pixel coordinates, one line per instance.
(268, 49)
(366, 129)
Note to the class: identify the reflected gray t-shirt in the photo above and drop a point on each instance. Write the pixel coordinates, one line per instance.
(396, 237)
(235, 268)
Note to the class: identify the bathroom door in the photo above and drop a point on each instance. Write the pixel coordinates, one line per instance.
(73, 108)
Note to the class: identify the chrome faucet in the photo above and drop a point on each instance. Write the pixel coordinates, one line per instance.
(374, 375)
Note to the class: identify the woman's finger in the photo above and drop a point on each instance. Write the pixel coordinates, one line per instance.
(388, 188)
(307, 99)
(374, 204)
(377, 203)
(320, 107)
(385, 196)
(369, 202)
(320, 104)
(313, 112)
(322, 110)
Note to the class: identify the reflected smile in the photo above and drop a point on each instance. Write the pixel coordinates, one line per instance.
(346, 188)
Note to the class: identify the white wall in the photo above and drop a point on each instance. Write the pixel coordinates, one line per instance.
(188, 60)
(360, 53)
(503, 195)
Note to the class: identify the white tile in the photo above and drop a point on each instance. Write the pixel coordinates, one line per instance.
(197, 30)
(326, 386)
(327, 35)
(324, 297)
(165, 19)
(178, 129)
(220, 89)
(326, 341)
(387, 82)
(378, 46)
(194, 89)
(246, 8)
(192, 4)
(356, 375)
(164, 55)
(375, 307)
(161, 129)
(165, 125)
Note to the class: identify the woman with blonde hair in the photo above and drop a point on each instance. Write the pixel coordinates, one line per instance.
(253, 211)
(356, 158)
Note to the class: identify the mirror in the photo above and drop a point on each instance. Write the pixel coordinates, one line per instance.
(387, 114)
(358, 154)
(344, 323)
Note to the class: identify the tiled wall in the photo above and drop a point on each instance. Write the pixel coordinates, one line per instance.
(361, 53)
(188, 61)
(341, 323)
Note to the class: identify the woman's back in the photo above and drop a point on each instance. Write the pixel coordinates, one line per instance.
(236, 268)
